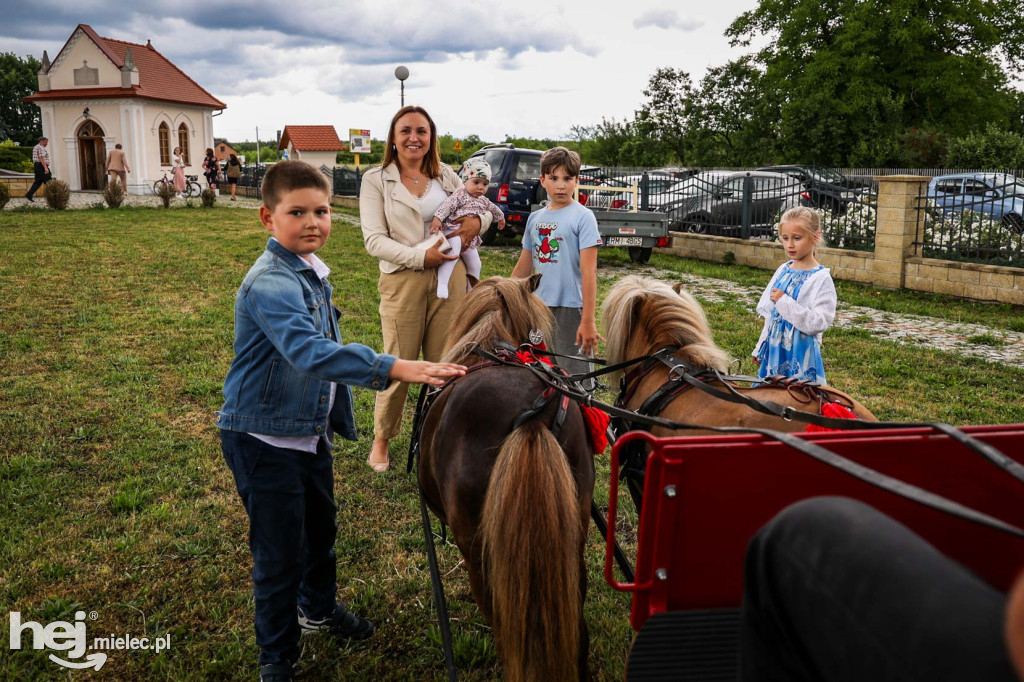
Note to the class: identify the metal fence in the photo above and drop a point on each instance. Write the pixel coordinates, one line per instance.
(745, 204)
(344, 181)
(975, 219)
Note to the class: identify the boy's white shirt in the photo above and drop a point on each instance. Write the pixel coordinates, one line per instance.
(303, 443)
(812, 314)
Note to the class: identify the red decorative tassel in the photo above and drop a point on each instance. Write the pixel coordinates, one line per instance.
(528, 358)
(834, 411)
(597, 427)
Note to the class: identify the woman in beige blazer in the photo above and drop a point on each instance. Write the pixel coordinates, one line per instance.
(397, 201)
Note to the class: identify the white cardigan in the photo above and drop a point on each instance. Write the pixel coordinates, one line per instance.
(812, 312)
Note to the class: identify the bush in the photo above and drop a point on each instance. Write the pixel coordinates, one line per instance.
(14, 158)
(995, 149)
(5, 194)
(57, 194)
(166, 192)
(114, 194)
(209, 198)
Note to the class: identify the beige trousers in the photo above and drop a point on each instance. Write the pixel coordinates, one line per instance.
(412, 318)
(119, 175)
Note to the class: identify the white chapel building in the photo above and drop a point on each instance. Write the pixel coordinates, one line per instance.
(99, 92)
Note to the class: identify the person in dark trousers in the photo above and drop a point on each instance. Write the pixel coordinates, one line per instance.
(41, 167)
(836, 590)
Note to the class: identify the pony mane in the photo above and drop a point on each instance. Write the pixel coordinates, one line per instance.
(642, 315)
(497, 309)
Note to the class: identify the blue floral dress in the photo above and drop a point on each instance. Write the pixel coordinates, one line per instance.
(787, 350)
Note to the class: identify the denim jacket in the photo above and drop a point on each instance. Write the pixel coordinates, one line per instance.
(288, 351)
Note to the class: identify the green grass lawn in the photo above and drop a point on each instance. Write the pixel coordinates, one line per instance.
(115, 336)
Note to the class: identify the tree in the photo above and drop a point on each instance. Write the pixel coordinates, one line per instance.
(662, 119)
(730, 117)
(19, 121)
(851, 77)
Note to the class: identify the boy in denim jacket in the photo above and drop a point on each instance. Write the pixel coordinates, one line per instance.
(287, 391)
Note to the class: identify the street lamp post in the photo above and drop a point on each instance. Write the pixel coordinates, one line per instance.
(401, 73)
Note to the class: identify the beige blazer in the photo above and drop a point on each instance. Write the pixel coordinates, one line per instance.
(116, 160)
(391, 221)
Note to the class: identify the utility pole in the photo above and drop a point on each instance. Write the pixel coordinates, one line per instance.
(257, 145)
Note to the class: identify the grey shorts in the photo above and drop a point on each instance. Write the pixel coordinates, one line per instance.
(567, 321)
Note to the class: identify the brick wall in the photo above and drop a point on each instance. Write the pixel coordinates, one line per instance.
(891, 265)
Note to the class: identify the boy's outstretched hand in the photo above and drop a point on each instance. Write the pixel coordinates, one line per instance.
(420, 372)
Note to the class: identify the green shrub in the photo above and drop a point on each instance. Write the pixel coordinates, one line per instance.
(57, 194)
(209, 198)
(5, 194)
(14, 158)
(995, 148)
(114, 194)
(166, 192)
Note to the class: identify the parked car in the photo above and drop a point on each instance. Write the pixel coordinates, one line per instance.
(715, 199)
(678, 191)
(996, 194)
(823, 187)
(598, 199)
(515, 185)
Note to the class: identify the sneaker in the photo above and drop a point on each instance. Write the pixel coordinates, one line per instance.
(179, 196)
(343, 623)
(277, 672)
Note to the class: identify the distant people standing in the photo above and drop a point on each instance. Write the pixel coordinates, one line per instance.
(117, 166)
(233, 171)
(179, 171)
(211, 169)
(41, 167)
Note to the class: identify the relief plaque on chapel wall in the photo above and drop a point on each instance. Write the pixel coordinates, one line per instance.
(87, 75)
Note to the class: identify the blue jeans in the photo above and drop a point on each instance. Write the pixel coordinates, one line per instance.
(836, 590)
(289, 497)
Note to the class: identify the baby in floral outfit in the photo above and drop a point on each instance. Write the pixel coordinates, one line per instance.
(468, 201)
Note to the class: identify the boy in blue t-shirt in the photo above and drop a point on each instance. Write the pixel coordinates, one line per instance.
(287, 390)
(561, 243)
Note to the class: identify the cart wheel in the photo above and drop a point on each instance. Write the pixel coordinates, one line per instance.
(639, 254)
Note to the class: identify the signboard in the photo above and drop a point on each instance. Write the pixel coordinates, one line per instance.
(358, 141)
(457, 146)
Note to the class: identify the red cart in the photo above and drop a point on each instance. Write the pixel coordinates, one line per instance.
(706, 496)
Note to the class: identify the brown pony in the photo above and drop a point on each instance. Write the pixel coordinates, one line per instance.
(643, 315)
(517, 499)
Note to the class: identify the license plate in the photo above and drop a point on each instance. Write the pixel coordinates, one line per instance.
(625, 241)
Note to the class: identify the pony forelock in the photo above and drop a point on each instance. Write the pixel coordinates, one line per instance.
(497, 309)
(642, 315)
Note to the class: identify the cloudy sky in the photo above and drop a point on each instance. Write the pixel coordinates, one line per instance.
(531, 68)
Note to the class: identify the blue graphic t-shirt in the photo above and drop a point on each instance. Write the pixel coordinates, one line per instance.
(555, 238)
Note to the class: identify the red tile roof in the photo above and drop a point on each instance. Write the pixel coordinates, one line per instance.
(311, 138)
(158, 78)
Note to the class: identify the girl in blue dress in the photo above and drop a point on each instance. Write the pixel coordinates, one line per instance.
(798, 305)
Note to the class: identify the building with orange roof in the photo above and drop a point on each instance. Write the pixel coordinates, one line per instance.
(316, 145)
(98, 92)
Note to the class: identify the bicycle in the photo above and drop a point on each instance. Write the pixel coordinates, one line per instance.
(192, 188)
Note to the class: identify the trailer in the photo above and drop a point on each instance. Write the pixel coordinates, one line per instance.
(637, 230)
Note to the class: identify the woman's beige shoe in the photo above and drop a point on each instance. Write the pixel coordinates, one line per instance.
(379, 467)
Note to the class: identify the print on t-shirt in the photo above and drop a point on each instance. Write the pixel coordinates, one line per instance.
(547, 250)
